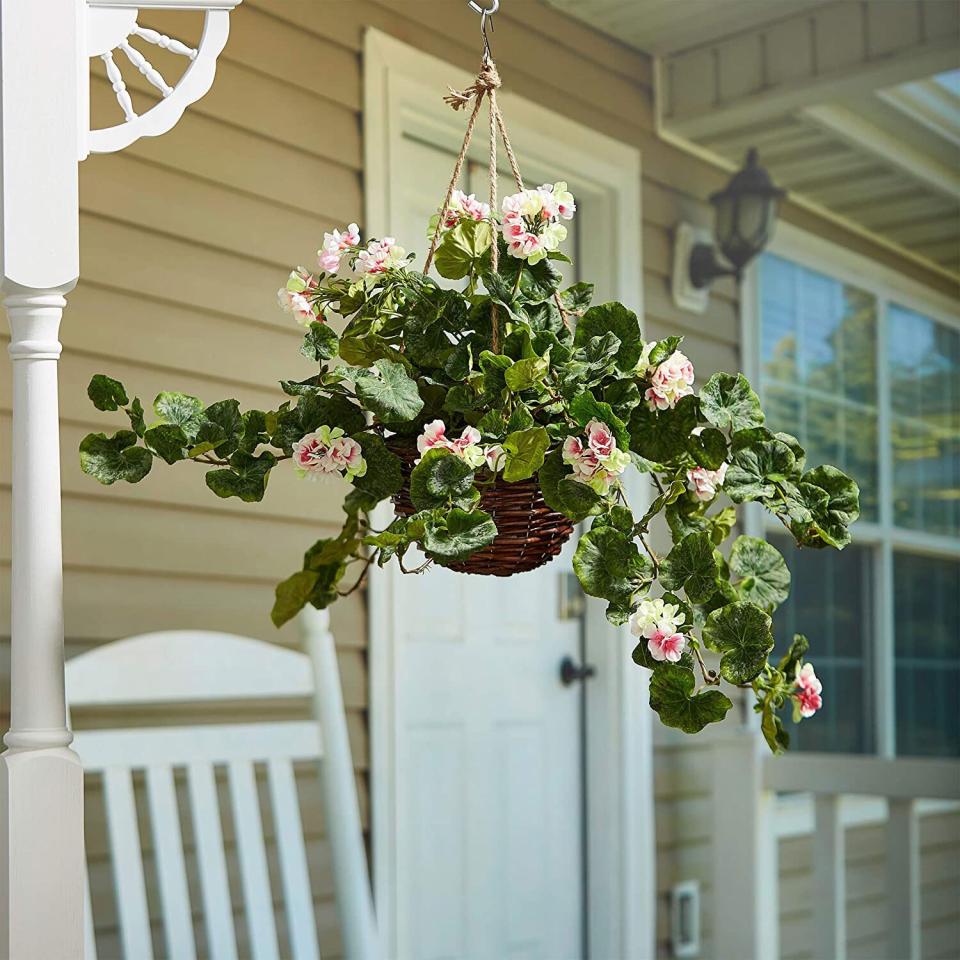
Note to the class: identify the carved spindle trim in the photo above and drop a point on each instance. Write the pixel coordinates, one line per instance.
(164, 42)
(146, 68)
(119, 87)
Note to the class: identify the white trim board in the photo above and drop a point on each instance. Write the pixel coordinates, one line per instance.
(403, 97)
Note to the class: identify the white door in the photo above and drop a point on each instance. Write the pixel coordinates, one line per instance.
(484, 844)
(490, 813)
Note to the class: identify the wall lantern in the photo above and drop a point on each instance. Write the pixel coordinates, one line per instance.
(744, 215)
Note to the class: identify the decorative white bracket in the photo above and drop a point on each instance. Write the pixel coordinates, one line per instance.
(111, 27)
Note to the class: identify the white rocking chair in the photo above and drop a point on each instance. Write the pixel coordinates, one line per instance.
(198, 666)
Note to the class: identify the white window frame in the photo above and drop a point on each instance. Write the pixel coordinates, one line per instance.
(402, 88)
(887, 285)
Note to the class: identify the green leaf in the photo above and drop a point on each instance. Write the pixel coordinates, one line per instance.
(524, 451)
(525, 374)
(742, 633)
(168, 441)
(181, 410)
(392, 396)
(609, 565)
(842, 508)
(222, 427)
(727, 401)
(317, 587)
(794, 655)
(537, 283)
(762, 572)
(107, 393)
(755, 469)
(671, 687)
(691, 566)
(364, 351)
(662, 349)
(321, 342)
(558, 493)
(664, 435)
(109, 459)
(247, 477)
(384, 476)
(135, 413)
(771, 726)
(709, 448)
(440, 478)
(576, 299)
(612, 318)
(459, 534)
(461, 248)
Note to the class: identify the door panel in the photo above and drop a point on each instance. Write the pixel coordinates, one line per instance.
(489, 743)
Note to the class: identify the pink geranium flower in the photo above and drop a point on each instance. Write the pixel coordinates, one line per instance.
(671, 380)
(663, 644)
(809, 690)
(704, 483)
(335, 245)
(380, 256)
(600, 439)
(434, 435)
(296, 304)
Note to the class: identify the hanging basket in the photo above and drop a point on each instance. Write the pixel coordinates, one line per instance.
(530, 534)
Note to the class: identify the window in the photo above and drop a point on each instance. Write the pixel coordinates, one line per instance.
(871, 384)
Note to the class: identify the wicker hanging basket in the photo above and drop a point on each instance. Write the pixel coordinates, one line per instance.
(530, 533)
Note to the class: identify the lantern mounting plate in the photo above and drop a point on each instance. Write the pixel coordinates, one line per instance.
(687, 240)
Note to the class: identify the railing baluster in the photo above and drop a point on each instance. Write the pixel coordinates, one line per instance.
(164, 42)
(146, 68)
(829, 879)
(119, 87)
(903, 881)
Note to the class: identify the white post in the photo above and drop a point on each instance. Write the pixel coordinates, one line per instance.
(341, 812)
(41, 781)
(745, 902)
(903, 880)
(829, 879)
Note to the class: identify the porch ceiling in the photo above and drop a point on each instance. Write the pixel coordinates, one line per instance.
(855, 107)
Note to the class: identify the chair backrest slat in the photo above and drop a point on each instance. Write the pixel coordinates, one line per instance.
(294, 872)
(127, 864)
(171, 868)
(252, 852)
(208, 835)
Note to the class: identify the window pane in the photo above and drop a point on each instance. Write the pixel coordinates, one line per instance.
(927, 627)
(818, 343)
(830, 603)
(924, 364)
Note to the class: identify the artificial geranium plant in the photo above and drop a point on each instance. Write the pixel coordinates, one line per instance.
(507, 379)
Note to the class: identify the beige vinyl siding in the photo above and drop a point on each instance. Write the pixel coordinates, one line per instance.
(185, 239)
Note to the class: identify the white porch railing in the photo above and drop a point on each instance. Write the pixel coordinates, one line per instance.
(746, 780)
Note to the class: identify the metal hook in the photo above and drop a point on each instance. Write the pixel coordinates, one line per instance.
(485, 15)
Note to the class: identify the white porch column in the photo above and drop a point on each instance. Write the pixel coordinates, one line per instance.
(41, 781)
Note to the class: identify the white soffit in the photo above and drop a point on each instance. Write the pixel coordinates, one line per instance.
(854, 106)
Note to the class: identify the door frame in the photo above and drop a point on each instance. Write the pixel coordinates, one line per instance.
(402, 96)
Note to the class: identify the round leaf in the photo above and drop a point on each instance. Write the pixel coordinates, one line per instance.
(742, 633)
(728, 401)
(671, 687)
(762, 572)
(109, 459)
(609, 565)
(459, 534)
(392, 396)
(439, 478)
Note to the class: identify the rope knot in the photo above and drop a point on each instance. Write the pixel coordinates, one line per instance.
(487, 81)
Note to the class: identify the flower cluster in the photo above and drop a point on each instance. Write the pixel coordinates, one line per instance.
(598, 462)
(659, 623)
(328, 451)
(336, 245)
(467, 445)
(808, 699)
(380, 256)
(671, 380)
(531, 219)
(463, 207)
(703, 483)
(294, 297)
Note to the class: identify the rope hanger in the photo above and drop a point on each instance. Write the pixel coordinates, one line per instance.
(486, 85)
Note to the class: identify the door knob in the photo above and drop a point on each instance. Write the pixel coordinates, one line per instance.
(570, 672)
